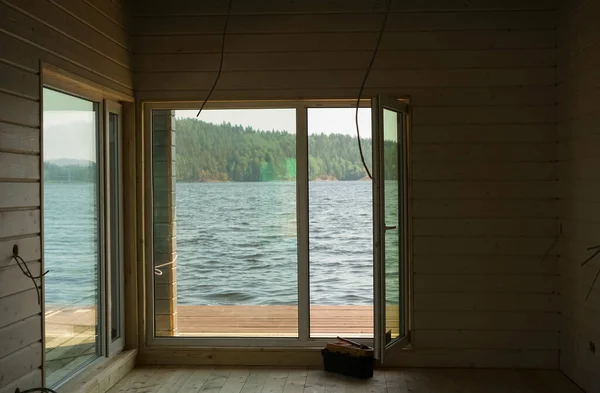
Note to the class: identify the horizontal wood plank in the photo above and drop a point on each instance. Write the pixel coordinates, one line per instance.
(20, 334)
(485, 302)
(344, 22)
(14, 280)
(311, 42)
(484, 265)
(20, 363)
(481, 208)
(156, 7)
(232, 80)
(18, 307)
(19, 82)
(494, 339)
(89, 13)
(19, 195)
(485, 227)
(19, 110)
(488, 190)
(19, 223)
(19, 139)
(19, 167)
(17, 22)
(29, 250)
(489, 283)
(30, 380)
(359, 60)
(486, 320)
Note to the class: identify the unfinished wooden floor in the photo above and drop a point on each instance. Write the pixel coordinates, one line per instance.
(262, 380)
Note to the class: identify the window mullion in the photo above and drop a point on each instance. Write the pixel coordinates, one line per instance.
(302, 219)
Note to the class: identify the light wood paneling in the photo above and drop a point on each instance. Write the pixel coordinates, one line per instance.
(579, 121)
(19, 167)
(19, 139)
(15, 280)
(86, 39)
(22, 362)
(30, 380)
(480, 77)
(19, 306)
(20, 334)
(19, 195)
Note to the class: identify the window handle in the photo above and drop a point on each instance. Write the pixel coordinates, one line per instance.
(389, 228)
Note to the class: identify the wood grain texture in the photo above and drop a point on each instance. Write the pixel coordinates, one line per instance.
(578, 123)
(84, 38)
(239, 379)
(480, 77)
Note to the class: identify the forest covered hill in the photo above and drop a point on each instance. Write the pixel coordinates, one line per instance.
(226, 152)
(207, 152)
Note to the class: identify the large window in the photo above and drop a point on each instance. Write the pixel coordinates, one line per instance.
(263, 223)
(82, 231)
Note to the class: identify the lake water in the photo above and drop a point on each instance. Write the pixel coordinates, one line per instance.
(236, 243)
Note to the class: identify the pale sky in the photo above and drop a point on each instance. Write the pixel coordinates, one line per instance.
(320, 120)
(70, 122)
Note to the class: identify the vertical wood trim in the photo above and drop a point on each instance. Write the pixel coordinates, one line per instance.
(148, 241)
(42, 257)
(130, 226)
(303, 220)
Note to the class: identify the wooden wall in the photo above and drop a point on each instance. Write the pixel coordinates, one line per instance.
(579, 136)
(481, 78)
(85, 37)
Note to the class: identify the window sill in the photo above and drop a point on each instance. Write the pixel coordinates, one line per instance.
(101, 375)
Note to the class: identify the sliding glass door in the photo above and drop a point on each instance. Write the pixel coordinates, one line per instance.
(72, 233)
(82, 232)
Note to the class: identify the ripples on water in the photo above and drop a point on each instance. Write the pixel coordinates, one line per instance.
(236, 243)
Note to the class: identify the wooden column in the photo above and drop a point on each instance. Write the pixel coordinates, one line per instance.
(165, 245)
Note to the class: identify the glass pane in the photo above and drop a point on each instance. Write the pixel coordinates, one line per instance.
(393, 269)
(71, 233)
(226, 258)
(340, 224)
(115, 226)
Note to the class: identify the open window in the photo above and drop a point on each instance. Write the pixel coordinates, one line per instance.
(391, 224)
(262, 222)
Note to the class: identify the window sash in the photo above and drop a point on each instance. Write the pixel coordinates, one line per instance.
(302, 206)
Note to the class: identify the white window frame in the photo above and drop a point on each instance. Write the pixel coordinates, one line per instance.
(302, 205)
(104, 101)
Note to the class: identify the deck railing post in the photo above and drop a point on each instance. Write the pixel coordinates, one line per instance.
(165, 245)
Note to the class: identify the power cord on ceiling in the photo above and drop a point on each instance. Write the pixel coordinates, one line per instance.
(25, 269)
(364, 82)
(220, 61)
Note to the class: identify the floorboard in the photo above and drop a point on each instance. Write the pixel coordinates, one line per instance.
(281, 380)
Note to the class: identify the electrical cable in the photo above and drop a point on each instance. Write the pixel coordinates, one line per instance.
(560, 230)
(25, 270)
(220, 61)
(364, 82)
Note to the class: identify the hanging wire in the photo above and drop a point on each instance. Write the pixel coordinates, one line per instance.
(364, 82)
(597, 248)
(560, 230)
(25, 270)
(220, 61)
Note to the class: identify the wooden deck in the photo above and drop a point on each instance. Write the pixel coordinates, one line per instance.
(273, 321)
(70, 340)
